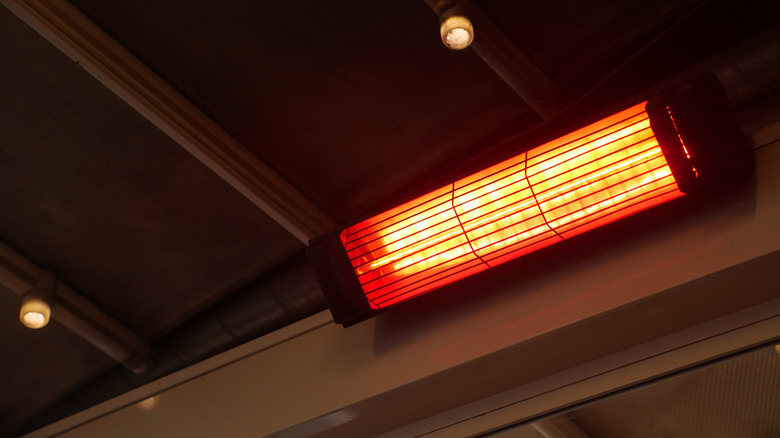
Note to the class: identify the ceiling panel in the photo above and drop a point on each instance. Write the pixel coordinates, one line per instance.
(94, 192)
(346, 99)
(568, 38)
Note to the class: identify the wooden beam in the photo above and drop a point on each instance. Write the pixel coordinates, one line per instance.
(116, 68)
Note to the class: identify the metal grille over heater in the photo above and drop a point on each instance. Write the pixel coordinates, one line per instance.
(640, 157)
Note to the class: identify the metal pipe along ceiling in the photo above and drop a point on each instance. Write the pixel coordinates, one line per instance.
(747, 71)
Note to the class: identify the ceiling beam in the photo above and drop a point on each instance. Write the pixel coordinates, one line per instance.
(19, 275)
(116, 68)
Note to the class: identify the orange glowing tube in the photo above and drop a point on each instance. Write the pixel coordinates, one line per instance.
(640, 157)
(560, 189)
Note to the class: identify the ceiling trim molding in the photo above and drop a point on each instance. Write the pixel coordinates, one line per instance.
(125, 75)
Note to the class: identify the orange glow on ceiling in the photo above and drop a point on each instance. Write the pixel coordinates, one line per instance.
(595, 175)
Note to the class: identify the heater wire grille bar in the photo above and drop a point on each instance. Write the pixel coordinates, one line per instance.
(460, 222)
(536, 198)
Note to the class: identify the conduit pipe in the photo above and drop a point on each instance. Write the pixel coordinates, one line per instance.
(19, 275)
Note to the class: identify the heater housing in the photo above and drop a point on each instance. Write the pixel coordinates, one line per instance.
(677, 143)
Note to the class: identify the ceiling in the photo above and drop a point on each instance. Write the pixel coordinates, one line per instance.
(354, 106)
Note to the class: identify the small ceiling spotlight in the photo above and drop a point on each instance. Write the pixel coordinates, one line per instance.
(36, 304)
(457, 31)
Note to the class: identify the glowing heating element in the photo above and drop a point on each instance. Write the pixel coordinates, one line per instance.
(595, 175)
(683, 140)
